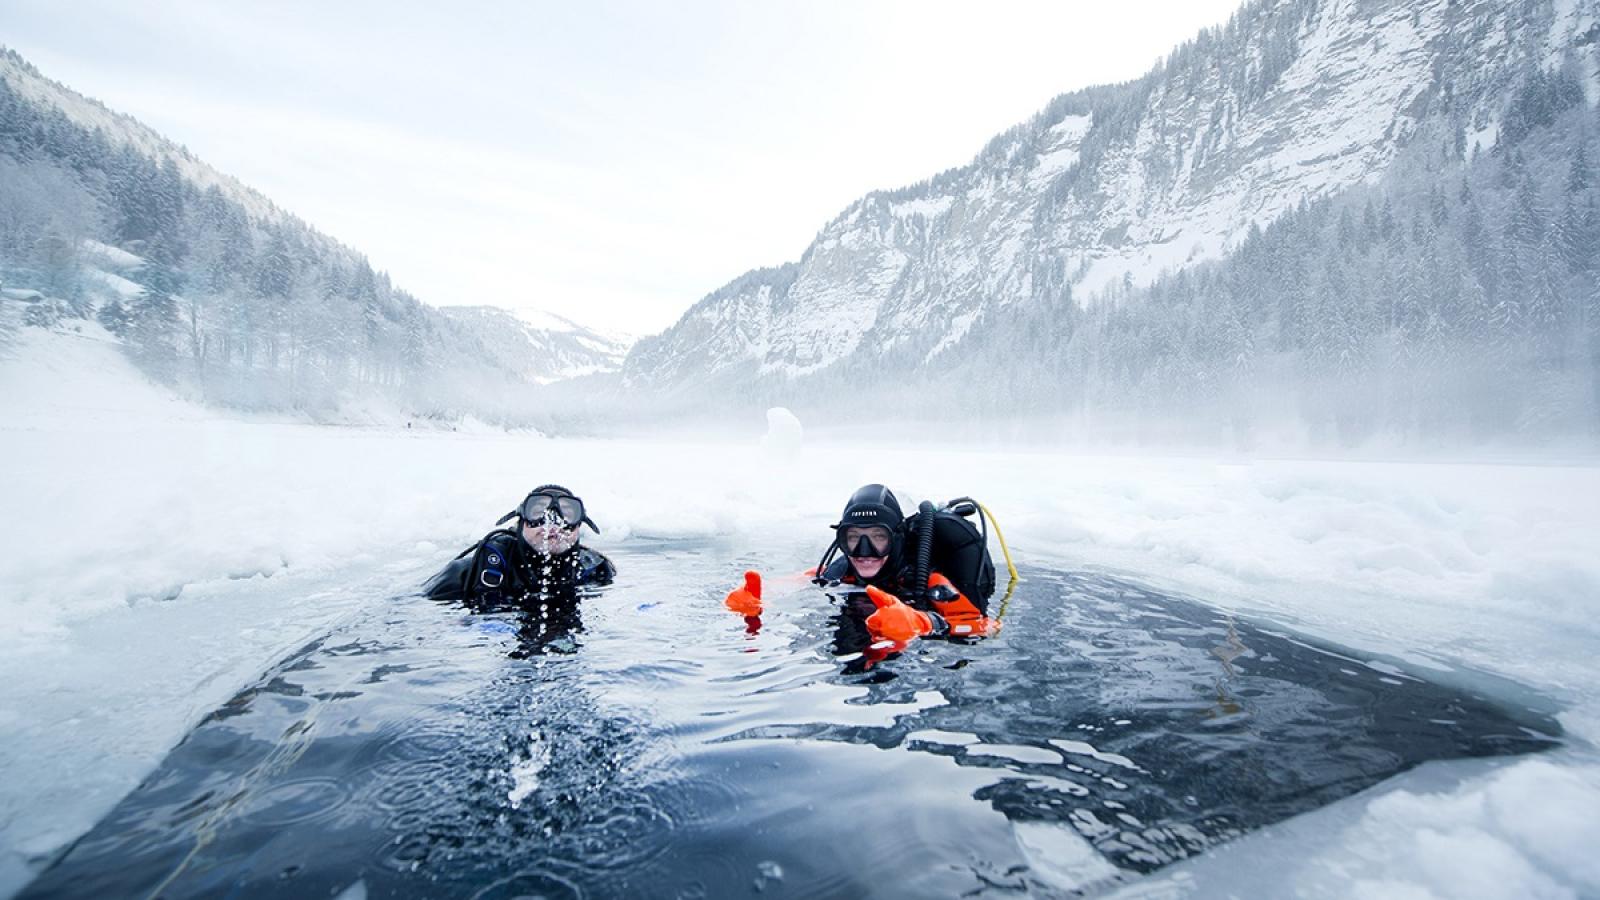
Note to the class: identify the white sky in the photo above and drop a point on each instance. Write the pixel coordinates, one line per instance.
(611, 162)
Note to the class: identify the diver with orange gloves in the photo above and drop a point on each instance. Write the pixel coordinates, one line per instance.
(898, 579)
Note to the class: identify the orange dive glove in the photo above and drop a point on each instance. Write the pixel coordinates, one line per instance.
(958, 612)
(894, 620)
(746, 601)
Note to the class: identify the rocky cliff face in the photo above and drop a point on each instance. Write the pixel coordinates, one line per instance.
(1112, 187)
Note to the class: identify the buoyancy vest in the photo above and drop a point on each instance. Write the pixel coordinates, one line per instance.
(501, 569)
(959, 553)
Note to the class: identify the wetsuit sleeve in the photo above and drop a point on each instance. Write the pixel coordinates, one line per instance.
(835, 572)
(450, 584)
(481, 572)
(597, 568)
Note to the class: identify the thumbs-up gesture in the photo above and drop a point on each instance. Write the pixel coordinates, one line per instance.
(894, 620)
(746, 601)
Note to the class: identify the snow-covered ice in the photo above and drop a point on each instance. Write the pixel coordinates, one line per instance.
(784, 434)
(160, 556)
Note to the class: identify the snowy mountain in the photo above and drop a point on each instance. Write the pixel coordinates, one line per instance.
(1110, 190)
(538, 346)
(214, 291)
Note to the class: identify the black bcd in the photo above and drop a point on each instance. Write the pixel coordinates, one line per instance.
(958, 550)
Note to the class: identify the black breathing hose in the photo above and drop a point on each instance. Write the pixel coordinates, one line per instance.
(925, 513)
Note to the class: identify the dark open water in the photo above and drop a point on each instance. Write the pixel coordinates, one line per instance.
(663, 752)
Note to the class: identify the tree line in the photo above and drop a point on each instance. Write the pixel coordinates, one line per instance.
(226, 297)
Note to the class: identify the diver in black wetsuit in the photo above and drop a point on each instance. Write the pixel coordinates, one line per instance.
(539, 569)
(871, 569)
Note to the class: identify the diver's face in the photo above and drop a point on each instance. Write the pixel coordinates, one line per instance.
(867, 546)
(550, 538)
(868, 566)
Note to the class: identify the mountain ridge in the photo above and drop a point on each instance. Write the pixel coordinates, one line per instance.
(220, 294)
(1111, 187)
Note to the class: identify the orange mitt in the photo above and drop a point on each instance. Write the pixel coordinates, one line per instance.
(746, 601)
(894, 620)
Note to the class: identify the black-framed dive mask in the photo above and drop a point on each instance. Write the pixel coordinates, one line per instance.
(870, 541)
(551, 508)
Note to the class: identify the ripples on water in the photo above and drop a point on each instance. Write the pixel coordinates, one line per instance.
(665, 752)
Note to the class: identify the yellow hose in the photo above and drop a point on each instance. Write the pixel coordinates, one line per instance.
(1006, 551)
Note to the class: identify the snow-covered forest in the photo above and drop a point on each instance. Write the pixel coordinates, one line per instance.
(249, 310)
(1456, 302)
(218, 293)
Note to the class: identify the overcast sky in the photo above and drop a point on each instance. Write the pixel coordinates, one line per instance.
(612, 161)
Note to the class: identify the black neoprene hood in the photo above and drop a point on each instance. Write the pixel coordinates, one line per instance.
(872, 504)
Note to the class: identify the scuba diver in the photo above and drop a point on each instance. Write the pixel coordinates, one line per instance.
(898, 579)
(539, 568)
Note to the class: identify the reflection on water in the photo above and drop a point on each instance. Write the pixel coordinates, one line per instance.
(660, 748)
(1227, 652)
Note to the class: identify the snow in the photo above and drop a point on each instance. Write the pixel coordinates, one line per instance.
(1346, 94)
(161, 556)
(1066, 137)
(785, 435)
(927, 207)
(1573, 17)
(107, 257)
(544, 320)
